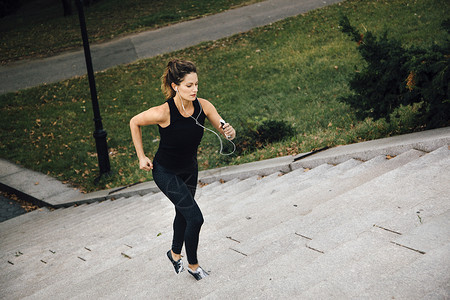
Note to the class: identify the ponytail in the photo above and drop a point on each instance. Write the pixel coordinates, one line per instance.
(175, 72)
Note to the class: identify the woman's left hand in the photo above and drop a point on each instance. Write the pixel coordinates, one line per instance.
(229, 131)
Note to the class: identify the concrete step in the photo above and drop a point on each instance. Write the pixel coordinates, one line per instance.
(156, 284)
(74, 230)
(31, 245)
(228, 190)
(208, 189)
(360, 270)
(53, 282)
(57, 216)
(77, 229)
(245, 190)
(399, 223)
(225, 204)
(302, 233)
(30, 217)
(23, 223)
(398, 190)
(344, 217)
(296, 271)
(261, 203)
(64, 218)
(288, 189)
(64, 261)
(96, 257)
(433, 233)
(109, 283)
(265, 223)
(408, 281)
(233, 221)
(74, 235)
(227, 185)
(363, 269)
(270, 179)
(220, 239)
(233, 267)
(359, 176)
(19, 233)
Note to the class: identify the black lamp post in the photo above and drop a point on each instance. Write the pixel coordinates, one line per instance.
(99, 133)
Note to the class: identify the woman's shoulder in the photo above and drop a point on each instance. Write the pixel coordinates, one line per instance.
(207, 106)
(162, 111)
(158, 114)
(205, 103)
(162, 107)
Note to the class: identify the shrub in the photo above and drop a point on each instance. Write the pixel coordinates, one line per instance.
(256, 134)
(394, 76)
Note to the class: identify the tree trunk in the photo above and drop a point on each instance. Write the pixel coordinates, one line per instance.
(67, 5)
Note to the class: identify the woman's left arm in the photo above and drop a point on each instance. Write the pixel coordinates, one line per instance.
(214, 118)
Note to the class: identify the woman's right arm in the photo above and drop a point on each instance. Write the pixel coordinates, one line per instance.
(155, 115)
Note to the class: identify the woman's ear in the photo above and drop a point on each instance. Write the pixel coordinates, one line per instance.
(174, 87)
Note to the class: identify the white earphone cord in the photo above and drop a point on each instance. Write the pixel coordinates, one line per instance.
(198, 123)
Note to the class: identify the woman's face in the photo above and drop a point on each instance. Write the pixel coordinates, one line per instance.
(188, 88)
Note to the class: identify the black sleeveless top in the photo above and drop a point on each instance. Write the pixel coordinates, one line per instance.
(179, 141)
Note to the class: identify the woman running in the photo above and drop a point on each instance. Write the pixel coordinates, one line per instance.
(175, 171)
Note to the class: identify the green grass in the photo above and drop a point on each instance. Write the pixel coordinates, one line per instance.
(293, 70)
(39, 28)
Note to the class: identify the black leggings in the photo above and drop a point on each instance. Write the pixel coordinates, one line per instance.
(180, 189)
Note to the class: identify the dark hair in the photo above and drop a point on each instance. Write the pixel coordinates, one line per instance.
(175, 72)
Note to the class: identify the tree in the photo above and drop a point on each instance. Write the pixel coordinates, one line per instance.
(67, 6)
(395, 76)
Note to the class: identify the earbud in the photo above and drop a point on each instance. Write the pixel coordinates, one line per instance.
(176, 89)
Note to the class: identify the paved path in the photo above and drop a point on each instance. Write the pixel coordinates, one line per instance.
(31, 73)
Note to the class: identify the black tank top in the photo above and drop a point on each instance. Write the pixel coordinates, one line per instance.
(179, 141)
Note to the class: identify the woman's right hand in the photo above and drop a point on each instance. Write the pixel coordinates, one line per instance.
(145, 164)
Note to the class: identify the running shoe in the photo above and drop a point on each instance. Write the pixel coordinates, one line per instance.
(178, 265)
(198, 274)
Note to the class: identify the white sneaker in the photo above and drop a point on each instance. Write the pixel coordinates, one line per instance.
(198, 274)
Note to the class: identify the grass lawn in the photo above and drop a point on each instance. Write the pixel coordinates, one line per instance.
(39, 28)
(292, 70)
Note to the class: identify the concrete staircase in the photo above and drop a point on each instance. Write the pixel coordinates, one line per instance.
(373, 229)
